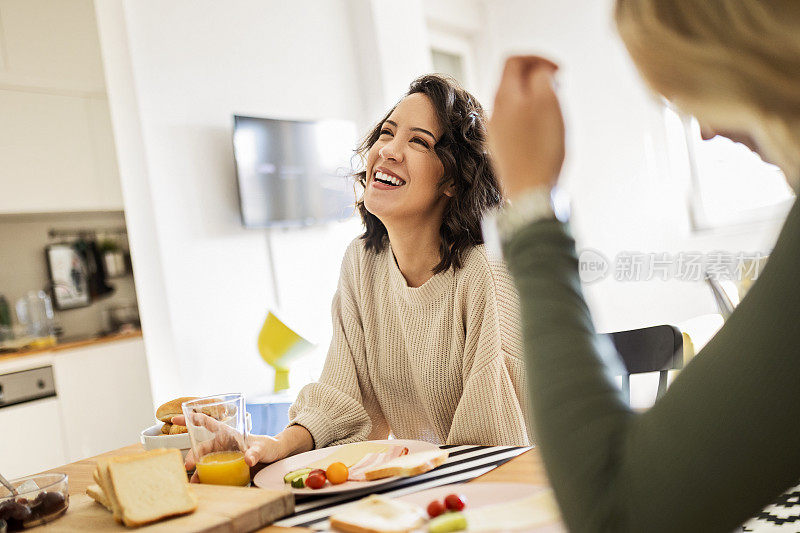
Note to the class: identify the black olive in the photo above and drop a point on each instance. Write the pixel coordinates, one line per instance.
(53, 501)
(14, 511)
(38, 501)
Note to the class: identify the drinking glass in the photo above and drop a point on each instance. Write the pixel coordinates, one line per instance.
(218, 432)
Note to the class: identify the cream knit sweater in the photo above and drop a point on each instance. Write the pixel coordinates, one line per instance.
(440, 363)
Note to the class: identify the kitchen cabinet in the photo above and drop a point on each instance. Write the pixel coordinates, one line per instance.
(58, 154)
(105, 396)
(102, 402)
(30, 438)
(56, 140)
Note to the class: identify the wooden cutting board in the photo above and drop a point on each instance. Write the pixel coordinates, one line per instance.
(219, 509)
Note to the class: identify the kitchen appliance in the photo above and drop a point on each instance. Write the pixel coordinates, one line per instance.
(121, 317)
(69, 276)
(6, 331)
(35, 314)
(293, 173)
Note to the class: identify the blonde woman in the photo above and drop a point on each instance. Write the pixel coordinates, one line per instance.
(724, 441)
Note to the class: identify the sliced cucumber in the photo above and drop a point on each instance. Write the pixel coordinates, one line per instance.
(447, 523)
(291, 476)
(299, 482)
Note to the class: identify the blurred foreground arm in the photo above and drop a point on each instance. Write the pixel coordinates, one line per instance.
(720, 444)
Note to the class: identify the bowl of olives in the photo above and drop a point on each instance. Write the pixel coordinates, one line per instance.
(41, 498)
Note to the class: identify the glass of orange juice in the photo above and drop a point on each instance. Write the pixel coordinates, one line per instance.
(218, 431)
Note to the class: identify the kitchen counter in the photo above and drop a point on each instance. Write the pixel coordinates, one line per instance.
(70, 344)
(95, 379)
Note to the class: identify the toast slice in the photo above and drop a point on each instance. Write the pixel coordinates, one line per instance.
(104, 480)
(97, 494)
(150, 486)
(378, 514)
(413, 464)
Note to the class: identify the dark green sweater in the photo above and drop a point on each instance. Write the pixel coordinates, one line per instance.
(722, 442)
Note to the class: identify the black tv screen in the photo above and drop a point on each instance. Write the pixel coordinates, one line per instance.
(293, 173)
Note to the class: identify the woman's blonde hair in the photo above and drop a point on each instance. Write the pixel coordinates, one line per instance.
(734, 64)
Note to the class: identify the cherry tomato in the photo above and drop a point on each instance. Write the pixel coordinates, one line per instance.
(337, 473)
(435, 508)
(317, 471)
(315, 481)
(455, 502)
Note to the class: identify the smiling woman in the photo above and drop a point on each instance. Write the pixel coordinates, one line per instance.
(436, 132)
(426, 341)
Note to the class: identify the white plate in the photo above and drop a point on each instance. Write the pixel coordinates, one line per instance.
(481, 494)
(271, 477)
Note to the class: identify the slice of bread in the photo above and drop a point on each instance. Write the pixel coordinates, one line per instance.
(378, 514)
(150, 486)
(97, 494)
(104, 480)
(409, 465)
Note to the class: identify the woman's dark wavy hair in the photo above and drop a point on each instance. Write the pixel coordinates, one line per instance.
(463, 152)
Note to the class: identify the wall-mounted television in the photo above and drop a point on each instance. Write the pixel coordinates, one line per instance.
(293, 173)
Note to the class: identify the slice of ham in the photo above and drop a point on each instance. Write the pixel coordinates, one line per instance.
(374, 460)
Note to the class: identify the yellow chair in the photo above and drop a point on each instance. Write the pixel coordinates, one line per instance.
(279, 345)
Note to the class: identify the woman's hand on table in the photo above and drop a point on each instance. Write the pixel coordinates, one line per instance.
(260, 448)
(526, 131)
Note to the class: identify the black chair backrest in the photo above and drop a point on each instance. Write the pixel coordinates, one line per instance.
(652, 349)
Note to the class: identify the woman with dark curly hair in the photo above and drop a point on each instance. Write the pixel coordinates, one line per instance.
(426, 341)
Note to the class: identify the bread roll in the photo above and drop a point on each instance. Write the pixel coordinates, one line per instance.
(172, 408)
(177, 430)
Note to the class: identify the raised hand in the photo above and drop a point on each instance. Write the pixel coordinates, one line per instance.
(526, 131)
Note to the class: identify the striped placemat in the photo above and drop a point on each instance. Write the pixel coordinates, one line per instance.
(463, 464)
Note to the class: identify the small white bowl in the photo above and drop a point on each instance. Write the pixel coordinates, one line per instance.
(152, 438)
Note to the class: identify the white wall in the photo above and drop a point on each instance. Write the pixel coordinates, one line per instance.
(625, 194)
(176, 73)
